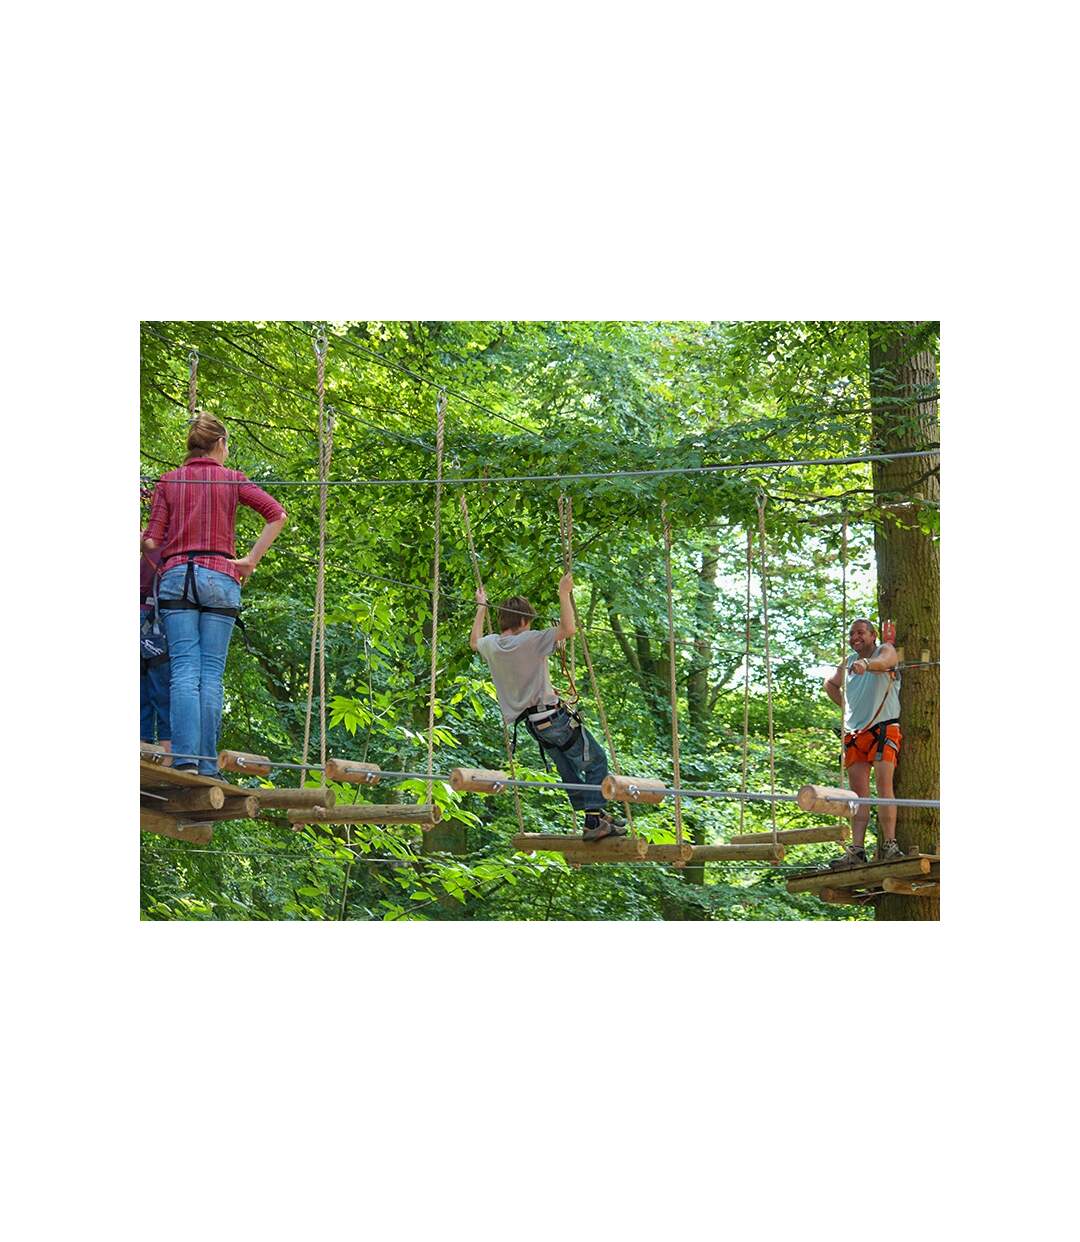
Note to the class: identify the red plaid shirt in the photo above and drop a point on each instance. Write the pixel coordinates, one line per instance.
(189, 515)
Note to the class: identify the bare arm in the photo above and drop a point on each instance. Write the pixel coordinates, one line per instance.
(834, 686)
(881, 663)
(566, 627)
(246, 564)
(478, 620)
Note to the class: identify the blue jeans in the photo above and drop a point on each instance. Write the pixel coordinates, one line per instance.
(565, 741)
(153, 700)
(198, 645)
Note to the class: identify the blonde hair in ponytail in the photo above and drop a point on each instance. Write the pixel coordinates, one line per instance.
(204, 431)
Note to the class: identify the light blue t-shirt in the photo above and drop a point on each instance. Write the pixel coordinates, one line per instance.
(864, 692)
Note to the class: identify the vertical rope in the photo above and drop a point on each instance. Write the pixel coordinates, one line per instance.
(193, 379)
(323, 492)
(746, 677)
(318, 620)
(488, 627)
(566, 537)
(596, 690)
(674, 683)
(440, 411)
(768, 658)
(843, 643)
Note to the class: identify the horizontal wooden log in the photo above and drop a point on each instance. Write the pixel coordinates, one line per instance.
(872, 875)
(152, 752)
(234, 808)
(813, 798)
(766, 852)
(631, 789)
(277, 799)
(796, 836)
(611, 849)
(240, 761)
(912, 888)
(206, 798)
(680, 855)
(350, 772)
(166, 826)
(425, 815)
(478, 780)
(838, 896)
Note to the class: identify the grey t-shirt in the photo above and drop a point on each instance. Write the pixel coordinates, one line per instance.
(865, 693)
(519, 669)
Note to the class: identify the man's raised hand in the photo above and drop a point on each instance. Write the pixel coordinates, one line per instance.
(566, 584)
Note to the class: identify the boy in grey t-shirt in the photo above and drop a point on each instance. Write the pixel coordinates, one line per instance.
(518, 658)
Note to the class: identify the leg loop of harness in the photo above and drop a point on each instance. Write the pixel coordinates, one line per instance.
(192, 601)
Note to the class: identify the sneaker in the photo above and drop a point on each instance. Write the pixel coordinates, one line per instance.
(599, 824)
(889, 851)
(851, 857)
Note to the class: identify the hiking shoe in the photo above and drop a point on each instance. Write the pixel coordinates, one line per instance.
(599, 824)
(889, 851)
(851, 857)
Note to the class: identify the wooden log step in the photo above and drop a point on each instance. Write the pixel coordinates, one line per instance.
(166, 826)
(478, 780)
(796, 836)
(295, 798)
(931, 887)
(205, 798)
(152, 752)
(631, 789)
(351, 772)
(425, 815)
(234, 808)
(870, 876)
(767, 852)
(813, 798)
(241, 761)
(680, 855)
(612, 849)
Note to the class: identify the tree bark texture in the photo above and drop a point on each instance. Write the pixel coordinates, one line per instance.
(908, 573)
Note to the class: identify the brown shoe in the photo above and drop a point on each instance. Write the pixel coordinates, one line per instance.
(599, 824)
(851, 857)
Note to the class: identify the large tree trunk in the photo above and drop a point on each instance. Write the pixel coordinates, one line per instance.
(909, 577)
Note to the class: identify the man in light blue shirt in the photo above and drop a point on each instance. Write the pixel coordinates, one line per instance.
(871, 733)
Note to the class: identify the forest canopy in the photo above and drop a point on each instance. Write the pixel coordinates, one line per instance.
(554, 400)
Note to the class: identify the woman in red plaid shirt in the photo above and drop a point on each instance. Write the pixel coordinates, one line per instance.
(193, 521)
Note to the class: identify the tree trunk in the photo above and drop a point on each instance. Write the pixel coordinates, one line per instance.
(909, 579)
(698, 691)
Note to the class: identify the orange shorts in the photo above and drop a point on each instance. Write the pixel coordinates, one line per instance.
(862, 747)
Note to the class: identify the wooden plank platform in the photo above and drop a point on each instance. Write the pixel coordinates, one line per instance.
(914, 867)
(154, 776)
(192, 801)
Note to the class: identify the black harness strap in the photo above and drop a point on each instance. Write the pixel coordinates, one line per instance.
(544, 745)
(193, 601)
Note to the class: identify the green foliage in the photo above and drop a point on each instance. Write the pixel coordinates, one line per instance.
(558, 398)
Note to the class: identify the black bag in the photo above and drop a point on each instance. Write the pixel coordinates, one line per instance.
(153, 645)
